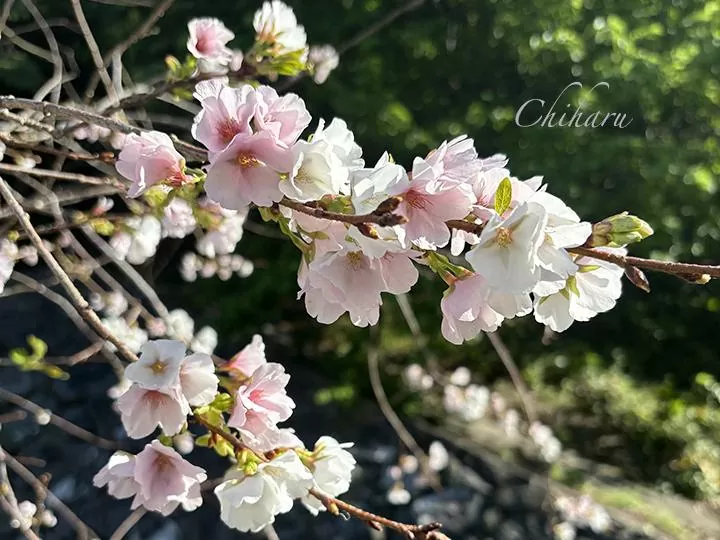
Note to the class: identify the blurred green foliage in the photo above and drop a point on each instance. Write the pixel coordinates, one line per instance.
(463, 66)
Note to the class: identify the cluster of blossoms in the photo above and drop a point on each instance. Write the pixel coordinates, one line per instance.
(519, 262)
(177, 325)
(31, 515)
(580, 512)
(471, 402)
(271, 467)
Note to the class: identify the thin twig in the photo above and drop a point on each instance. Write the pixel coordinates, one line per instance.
(118, 50)
(128, 523)
(76, 297)
(59, 421)
(517, 379)
(54, 85)
(5, 14)
(94, 50)
(333, 505)
(668, 267)
(132, 274)
(61, 175)
(391, 416)
(84, 531)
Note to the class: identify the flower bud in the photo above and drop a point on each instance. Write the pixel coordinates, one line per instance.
(619, 230)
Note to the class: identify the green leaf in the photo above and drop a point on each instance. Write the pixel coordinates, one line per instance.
(503, 196)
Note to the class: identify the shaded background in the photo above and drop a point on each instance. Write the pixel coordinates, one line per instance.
(449, 67)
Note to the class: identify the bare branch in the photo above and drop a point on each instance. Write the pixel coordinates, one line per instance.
(393, 419)
(118, 50)
(128, 523)
(507, 360)
(94, 50)
(59, 421)
(75, 296)
(54, 84)
(84, 532)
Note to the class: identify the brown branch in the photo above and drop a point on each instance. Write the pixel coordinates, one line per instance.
(162, 88)
(378, 217)
(59, 421)
(105, 157)
(141, 32)
(61, 175)
(128, 523)
(63, 111)
(393, 419)
(76, 297)
(94, 50)
(668, 267)
(84, 531)
(517, 379)
(55, 82)
(334, 505)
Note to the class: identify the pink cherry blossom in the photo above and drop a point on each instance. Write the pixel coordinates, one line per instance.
(284, 116)
(142, 410)
(248, 171)
(455, 160)
(226, 111)
(260, 404)
(166, 480)
(198, 381)
(119, 476)
(430, 202)
(250, 358)
(466, 311)
(208, 39)
(150, 158)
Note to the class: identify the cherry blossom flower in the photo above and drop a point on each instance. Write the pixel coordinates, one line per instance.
(119, 476)
(461, 376)
(165, 384)
(250, 358)
(260, 404)
(249, 503)
(8, 255)
(317, 172)
(208, 39)
(332, 467)
(276, 25)
(178, 220)
(225, 112)
(506, 254)
(429, 202)
(417, 378)
(149, 158)
(466, 311)
(205, 340)
(248, 171)
(142, 410)
(455, 160)
(223, 238)
(198, 381)
(158, 367)
(438, 456)
(593, 289)
(132, 336)
(284, 116)
(180, 325)
(115, 304)
(139, 239)
(166, 480)
(324, 59)
(347, 278)
(342, 141)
